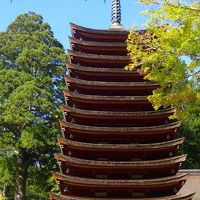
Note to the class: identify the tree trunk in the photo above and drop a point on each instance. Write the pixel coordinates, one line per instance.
(4, 190)
(22, 173)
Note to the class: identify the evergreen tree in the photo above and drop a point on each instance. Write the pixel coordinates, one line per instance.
(31, 75)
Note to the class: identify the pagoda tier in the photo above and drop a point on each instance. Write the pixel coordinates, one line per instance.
(137, 169)
(93, 102)
(110, 88)
(109, 48)
(114, 145)
(103, 74)
(88, 34)
(112, 118)
(120, 188)
(174, 197)
(147, 151)
(98, 60)
(119, 134)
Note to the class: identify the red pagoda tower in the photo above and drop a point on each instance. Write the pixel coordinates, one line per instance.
(115, 145)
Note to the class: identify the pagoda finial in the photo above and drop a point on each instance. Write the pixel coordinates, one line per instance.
(116, 15)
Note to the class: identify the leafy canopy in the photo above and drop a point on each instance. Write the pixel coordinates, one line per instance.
(169, 53)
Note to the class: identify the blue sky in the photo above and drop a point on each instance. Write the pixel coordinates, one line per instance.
(58, 13)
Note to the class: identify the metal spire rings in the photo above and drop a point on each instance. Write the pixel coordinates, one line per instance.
(116, 15)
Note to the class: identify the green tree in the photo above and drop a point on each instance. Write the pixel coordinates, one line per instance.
(169, 53)
(31, 75)
(7, 172)
(190, 129)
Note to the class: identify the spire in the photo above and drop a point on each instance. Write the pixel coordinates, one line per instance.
(116, 15)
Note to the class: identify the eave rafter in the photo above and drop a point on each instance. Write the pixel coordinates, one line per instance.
(101, 69)
(164, 113)
(114, 184)
(133, 165)
(93, 44)
(104, 72)
(120, 147)
(106, 99)
(111, 58)
(162, 129)
(174, 197)
(111, 85)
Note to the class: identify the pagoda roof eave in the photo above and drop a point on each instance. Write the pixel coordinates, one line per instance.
(120, 130)
(98, 57)
(97, 44)
(174, 197)
(111, 85)
(120, 147)
(116, 114)
(85, 163)
(101, 70)
(106, 99)
(113, 183)
(97, 31)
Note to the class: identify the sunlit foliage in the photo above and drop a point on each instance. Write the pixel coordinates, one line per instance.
(169, 53)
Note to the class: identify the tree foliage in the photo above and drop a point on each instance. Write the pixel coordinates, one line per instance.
(31, 75)
(169, 53)
(190, 129)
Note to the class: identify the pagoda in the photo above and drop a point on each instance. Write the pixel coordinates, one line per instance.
(114, 145)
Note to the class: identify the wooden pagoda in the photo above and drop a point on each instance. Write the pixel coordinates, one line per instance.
(115, 145)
